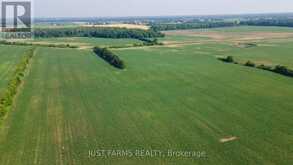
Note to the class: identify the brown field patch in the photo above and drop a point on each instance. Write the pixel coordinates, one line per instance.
(264, 62)
(127, 26)
(173, 45)
(233, 36)
(85, 47)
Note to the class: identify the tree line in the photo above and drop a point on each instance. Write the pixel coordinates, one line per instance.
(6, 100)
(280, 69)
(198, 25)
(96, 32)
(4, 42)
(269, 22)
(263, 21)
(109, 57)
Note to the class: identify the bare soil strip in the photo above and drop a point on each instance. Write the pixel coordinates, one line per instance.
(228, 139)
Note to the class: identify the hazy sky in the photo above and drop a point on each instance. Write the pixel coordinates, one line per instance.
(101, 8)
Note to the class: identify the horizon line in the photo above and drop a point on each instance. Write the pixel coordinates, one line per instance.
(149, 16)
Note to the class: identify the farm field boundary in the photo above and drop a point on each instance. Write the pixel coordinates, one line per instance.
(6, 100)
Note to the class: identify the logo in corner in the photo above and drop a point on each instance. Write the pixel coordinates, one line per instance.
(16, 19)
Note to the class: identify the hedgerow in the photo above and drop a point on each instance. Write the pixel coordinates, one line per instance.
(3, 42)
(6, 100)
(110, 57)
(96, 32)
(250, 64)
(283, 70)
(144, 43)
(228, 59)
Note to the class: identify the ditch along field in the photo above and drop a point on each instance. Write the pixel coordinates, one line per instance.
(176, 96)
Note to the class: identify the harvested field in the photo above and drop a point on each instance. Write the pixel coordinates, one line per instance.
(127, 26)
(226, 36)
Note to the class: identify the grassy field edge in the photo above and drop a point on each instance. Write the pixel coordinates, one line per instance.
(7, 99)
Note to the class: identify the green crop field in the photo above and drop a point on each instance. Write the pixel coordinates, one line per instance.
(173, 97)
(9, 57)
(83, 41)
(252, 29)
(265, 53)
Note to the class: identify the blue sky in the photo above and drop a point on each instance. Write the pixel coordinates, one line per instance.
(102, 8)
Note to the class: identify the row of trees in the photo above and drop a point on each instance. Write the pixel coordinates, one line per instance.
(3, 42)
(283, 70)
(96, 32)
(110, 57)
(228, 59)
(198, 25)
(258, 21)
(6, 100)
(150, 41)
(269, 22)
(146, 42)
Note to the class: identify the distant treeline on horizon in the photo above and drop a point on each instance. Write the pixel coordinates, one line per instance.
(161, 23)
(160, 18)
